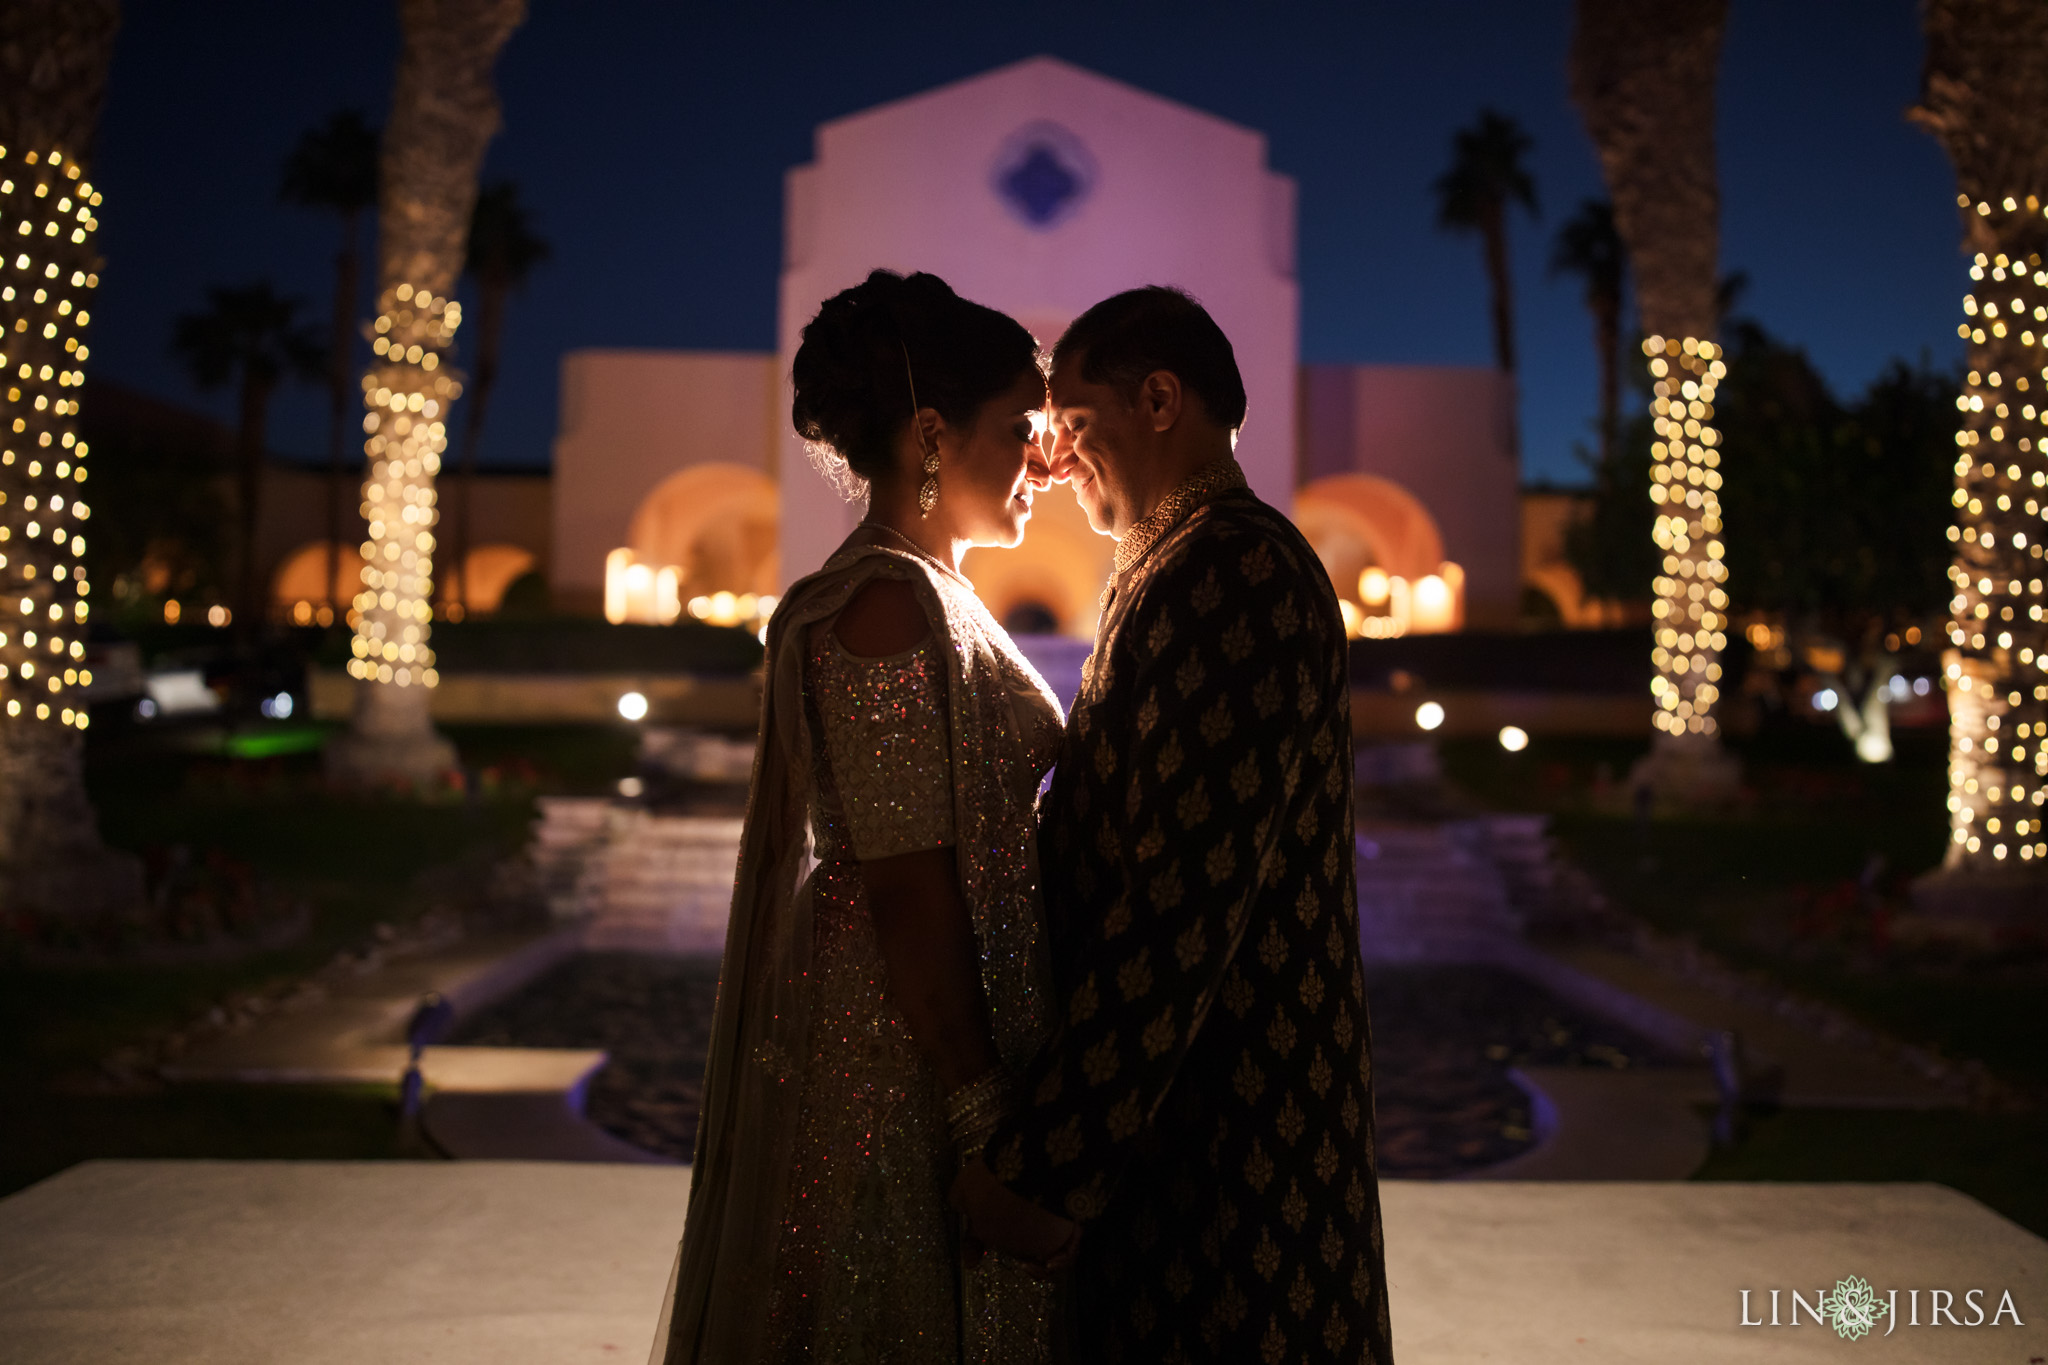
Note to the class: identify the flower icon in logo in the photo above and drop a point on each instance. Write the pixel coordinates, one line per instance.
(1853, 1309)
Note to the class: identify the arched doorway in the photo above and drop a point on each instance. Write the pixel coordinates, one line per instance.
(295, 589)
(716, 523)
(1357, 522)
(489, 571)
(1052, 583)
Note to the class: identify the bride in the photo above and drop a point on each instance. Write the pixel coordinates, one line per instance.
(871, 1013)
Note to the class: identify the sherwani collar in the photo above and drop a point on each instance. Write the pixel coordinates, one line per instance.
(1209, 482)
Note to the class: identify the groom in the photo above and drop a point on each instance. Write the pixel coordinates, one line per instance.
(1205, 1111)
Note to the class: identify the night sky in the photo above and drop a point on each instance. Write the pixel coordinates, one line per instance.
(650, 141)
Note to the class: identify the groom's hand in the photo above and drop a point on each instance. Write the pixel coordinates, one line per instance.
(999, 1219)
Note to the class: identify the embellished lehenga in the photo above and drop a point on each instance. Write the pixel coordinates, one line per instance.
(817, 1227)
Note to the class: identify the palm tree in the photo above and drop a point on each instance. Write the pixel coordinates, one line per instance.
(334, 167)
(503, 250)
(444, 112)
(247, 335)
(1487, 177)
(1588, 246)
(1643, 79)
(54, 869)
(1985, 97)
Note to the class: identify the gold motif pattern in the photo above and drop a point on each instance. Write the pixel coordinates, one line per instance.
(1242, 1133)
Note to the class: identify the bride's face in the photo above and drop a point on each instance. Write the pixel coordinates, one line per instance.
(987, 481)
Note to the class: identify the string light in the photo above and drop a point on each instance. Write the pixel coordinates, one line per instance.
(1995, 664)
(407, 395)
(47, 270)
(1691, 606)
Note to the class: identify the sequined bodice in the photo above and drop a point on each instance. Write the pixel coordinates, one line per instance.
(883, 780)
(883, 771)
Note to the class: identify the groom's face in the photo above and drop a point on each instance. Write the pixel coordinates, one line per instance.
(1095, 437)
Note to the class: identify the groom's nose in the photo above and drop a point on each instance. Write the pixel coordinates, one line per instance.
(1060, 455)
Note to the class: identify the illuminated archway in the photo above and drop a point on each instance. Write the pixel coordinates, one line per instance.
(716, 523)
(1561, 583)
(1059, 570)
(295, 588)
(1359, 521)
(488, 571)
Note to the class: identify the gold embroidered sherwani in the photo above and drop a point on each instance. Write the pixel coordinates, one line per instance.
(817, 1227)
(1205, 1109)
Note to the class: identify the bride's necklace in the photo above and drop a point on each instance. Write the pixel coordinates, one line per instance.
(921, 553)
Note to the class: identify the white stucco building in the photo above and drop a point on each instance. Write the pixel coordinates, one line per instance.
(1039, 188)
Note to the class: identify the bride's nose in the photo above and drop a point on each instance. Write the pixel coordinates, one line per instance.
(1037, 470)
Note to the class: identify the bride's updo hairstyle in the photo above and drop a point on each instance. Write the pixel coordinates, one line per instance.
(854, 368)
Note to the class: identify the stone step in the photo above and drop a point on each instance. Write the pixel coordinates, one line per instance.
(1423, 890)
(639, 880)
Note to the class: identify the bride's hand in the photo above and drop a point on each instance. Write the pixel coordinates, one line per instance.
(998, 1219)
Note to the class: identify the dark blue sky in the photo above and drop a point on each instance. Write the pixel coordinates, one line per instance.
(650, 139)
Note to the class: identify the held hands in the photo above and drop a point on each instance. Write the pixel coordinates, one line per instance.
(999, 1219)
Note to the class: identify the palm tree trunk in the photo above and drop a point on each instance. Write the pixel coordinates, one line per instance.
(340, 379)
(249, 443)
(444, 112)
(490, 308)
(1493, 231)
(1985, 97)
(1607, 337)
(1643, 78)
(55, 873)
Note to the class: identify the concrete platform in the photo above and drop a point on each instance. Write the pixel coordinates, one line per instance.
(510, 1263)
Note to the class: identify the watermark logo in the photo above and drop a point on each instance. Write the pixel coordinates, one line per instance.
(1853, 1309)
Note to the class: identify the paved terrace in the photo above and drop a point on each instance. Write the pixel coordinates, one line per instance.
(510, 1263)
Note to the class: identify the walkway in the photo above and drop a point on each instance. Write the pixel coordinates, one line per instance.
(482, 1102)
(251, 1263)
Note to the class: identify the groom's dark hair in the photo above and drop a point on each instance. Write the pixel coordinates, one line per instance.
(1130, 335)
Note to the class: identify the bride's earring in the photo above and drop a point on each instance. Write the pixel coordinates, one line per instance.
(928, 495)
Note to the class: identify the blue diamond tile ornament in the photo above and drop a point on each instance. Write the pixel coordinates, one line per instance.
(1043, 174)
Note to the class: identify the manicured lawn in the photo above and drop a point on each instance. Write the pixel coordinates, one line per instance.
(352, 861)
(1777, 887)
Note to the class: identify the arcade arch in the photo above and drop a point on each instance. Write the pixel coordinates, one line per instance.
(1356, 522)
(716, 523)
(1359, 521)
(295, 588)
(490, 570)
(1054, 577)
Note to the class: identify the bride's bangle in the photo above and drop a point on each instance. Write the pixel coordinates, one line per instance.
(975, 1109)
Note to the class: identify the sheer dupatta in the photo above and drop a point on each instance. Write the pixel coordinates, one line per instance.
(715, 1312)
